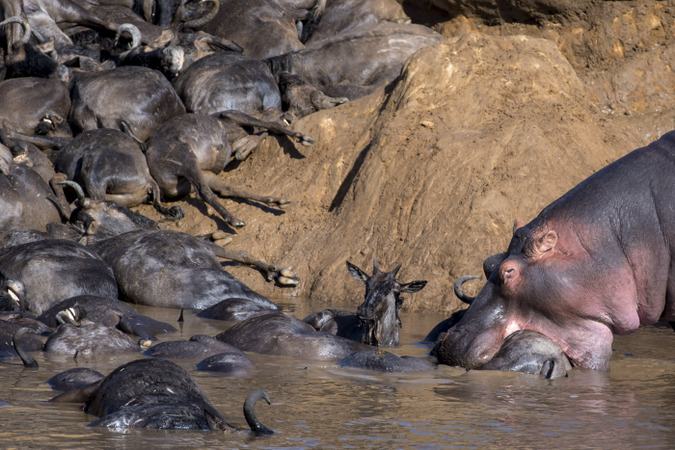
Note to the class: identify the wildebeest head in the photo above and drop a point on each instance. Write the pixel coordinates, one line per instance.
(379, 311)
(12, 295)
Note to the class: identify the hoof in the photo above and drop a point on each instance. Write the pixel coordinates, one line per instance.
(285, 281)
(307, 141)
(287, 277)
(218, 234)
(223, 242)
(236, 223)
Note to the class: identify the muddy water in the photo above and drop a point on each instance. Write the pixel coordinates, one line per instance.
(321, 405)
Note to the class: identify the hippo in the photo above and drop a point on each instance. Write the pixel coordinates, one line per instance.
(594, 263)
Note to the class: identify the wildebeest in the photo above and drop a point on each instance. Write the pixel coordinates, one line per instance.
(228, 81)
(21, 57)
(85, 309)
(597, 261)
(136, 100)
(156, 393)
(341, 16)
(264, 28)
(25, 199)
(199, 346)
(354, 64)
(384, 362)
(108, 163)
(10, 324)
(43, 109)
(192, 149)
(281, 334)
(53, 270)
(530, 352)
(377, 320)
(174, 269)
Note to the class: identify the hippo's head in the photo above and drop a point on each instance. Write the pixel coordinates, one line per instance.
(543, 283)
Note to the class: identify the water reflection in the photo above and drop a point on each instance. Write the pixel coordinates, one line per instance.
(322, 405)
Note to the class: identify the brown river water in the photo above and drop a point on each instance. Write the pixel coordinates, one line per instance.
(317, 404)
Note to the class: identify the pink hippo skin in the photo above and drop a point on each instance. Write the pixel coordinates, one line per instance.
(595, 262)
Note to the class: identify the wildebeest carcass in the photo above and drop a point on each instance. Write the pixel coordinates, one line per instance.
(174, 269)
(341, 16)
(136, 100)
(108, 163)
(86, 309)
(191, 149)
(264, 28)
(22, 58)
(356, 63)
(228, 81)
(53, 270)
(377, 320)
(231, 81)
(281, 334)
(25, 198)
(157, 393)
(43, 108)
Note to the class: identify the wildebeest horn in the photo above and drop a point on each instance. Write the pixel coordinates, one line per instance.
(249, 413)
(458, 288)
(28, 360)
(82, 201)
(375, 266)
(397, 269)
(23, 21)
(133, 31)
(200, 21)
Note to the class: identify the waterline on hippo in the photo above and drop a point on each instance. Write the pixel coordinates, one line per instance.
(594, 263)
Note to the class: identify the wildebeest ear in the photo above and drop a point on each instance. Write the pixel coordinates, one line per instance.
(357, 273)
(541, 245)
(413, 286)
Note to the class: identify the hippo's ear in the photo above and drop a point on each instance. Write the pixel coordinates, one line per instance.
(413, 286)
(540, 246)
(357, 273)
(518, 223)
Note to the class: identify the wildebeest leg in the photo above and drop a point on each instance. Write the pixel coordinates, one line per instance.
(283, 275)
(7, 137)
(57, 188)
(178, 165)
(243, 146)
(225, 190)
(244, 119)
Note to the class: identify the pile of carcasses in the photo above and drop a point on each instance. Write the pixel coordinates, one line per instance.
(104, 106)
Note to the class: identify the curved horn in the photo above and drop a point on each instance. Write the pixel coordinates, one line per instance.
(375, 266)
(203, 20)
(28, 360)
(133, 31)
(23, 21)
(82, 201)
(249, 413)
(458, 288)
